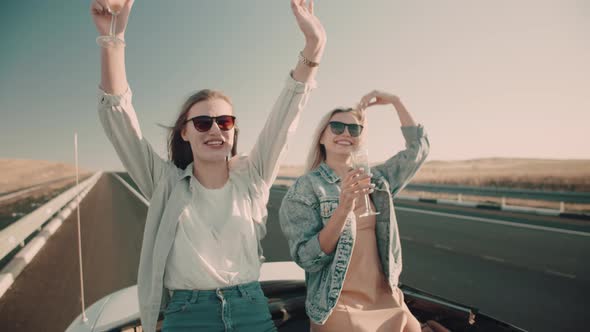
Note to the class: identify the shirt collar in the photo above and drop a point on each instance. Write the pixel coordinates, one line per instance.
(188, 171)
(327, 173)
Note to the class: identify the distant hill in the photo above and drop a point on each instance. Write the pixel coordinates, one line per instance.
(21, 173)
(544, 174)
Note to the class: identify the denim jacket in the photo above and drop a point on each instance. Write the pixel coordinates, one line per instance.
(311, 201)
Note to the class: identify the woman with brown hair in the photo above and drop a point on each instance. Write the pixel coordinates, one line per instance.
(201, 254)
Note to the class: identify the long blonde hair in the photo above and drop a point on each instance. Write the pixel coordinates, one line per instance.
(317, 152)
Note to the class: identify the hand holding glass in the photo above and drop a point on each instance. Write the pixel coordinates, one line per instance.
(114, 7)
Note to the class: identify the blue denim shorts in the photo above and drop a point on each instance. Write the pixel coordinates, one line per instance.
(240, 308)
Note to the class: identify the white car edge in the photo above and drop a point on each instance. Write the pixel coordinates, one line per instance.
(122, 306)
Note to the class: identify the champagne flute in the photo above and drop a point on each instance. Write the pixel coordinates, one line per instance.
(360, 159)
(114, 7)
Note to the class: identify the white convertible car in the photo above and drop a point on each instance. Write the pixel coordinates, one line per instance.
(284, 285)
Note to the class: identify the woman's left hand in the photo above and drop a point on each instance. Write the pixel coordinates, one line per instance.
(377, 97)
(308, 23)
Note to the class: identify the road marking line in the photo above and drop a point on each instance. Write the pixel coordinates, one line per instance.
(492, 258)
(498, 222)
(133, 191)
(442, 246)
(561, 274)
(493, 221)
(407, 238)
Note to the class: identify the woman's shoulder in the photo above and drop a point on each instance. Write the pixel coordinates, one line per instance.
(309, 178)
(244, 174)
(304, 187)
(238, 163)
(173, 172)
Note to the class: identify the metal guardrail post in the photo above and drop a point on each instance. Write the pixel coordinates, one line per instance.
(20, 230)
(66, 201)
(541, 195)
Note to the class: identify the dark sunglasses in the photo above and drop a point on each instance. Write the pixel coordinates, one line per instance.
(204, 122)
(353, 129)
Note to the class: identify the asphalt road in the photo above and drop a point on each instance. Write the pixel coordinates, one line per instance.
(46, 295)
(517, 268)
(510, 266)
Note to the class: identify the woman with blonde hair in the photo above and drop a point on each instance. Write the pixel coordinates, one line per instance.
(201, 255)
(352, 264)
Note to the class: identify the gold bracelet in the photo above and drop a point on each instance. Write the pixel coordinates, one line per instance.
(306, 61)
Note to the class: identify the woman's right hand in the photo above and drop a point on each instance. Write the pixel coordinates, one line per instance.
(99, 9)
(377, 97)
(354, 185)
(310, 26)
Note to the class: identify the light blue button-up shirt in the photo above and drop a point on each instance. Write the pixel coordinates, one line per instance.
(168, 188)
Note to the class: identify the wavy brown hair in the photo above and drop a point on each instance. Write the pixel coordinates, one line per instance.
(179, 150)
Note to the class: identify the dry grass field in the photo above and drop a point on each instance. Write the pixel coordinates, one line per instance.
(16, 174)
(20, 173)
(542, 174)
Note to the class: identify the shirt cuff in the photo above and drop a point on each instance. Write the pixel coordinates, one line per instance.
(412, 133)
(317, 252)
(106, 99)
(300, 87)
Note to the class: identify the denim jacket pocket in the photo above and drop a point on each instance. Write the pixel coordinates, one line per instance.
(328, 205)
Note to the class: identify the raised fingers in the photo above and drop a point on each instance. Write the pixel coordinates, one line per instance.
(366, 99)
(352, 173)
(358, 181)
(98, 7)
(359, 190)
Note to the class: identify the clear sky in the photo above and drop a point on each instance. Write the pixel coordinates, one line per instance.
(498, 78)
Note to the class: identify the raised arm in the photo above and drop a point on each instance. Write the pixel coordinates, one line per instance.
(272, 141)
(115, 109)
(113, 78)
(399, 169)
(315, 40)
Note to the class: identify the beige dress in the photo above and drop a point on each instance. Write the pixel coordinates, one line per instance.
(366, 302)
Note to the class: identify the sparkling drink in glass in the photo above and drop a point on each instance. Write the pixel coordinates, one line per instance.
(360, 159)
